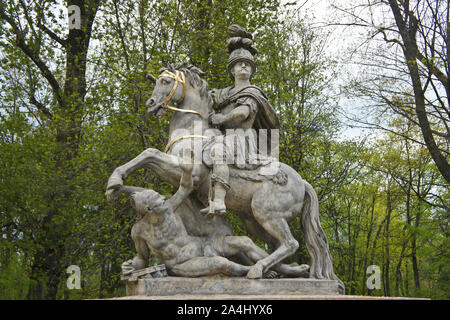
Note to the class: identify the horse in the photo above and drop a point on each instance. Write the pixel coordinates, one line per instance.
(264, 205)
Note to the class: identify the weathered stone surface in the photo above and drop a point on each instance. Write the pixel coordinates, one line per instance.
(136, 288)
(211, 286)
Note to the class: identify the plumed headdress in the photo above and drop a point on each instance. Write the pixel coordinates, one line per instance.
(240, 48)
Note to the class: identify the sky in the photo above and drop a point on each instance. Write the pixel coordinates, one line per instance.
(319, 14)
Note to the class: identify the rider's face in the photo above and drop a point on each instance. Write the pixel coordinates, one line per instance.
(242, 70)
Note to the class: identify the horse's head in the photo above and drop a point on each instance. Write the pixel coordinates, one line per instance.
(172, 86)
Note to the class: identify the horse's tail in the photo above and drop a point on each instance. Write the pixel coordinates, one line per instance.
(316, 240)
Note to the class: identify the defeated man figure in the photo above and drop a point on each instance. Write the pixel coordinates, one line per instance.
(160, 230)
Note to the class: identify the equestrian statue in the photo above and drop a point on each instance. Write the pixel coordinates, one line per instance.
(227, 132)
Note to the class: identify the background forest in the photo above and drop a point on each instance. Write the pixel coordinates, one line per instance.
(72, 104)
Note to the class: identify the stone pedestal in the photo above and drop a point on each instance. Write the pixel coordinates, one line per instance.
(210, 286)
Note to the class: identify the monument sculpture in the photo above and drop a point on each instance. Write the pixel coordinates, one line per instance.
(161, 231)
(213, 150)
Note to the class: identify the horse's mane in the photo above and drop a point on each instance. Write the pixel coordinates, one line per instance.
(192, 73)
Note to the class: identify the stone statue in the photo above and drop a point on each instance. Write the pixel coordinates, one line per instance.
(265, 202)
(161, 231)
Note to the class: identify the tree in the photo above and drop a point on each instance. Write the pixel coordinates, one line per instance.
(382, 200)
(418, 29)
(72, 111)
(28, 32)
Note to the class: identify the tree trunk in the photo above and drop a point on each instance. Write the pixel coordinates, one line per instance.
(406, 279)
(387, 288)
(414, 262)
(369, 234)
(398, 272)
(414, 259)
(374, 245)
(47, 266)
(407, 25)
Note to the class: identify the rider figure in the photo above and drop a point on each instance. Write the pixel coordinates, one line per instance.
(241, 106)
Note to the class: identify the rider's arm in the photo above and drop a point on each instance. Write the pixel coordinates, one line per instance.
(238, 114)
(245, 107)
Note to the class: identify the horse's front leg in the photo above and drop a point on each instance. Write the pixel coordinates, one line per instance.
(164, 165)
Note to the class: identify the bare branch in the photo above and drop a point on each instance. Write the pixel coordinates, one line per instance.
(33, 55)
(433, 69)
(51, 34)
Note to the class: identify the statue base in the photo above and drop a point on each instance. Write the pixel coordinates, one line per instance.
(211, 286)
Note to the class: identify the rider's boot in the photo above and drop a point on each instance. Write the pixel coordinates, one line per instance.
(219, 198)
(220, 178)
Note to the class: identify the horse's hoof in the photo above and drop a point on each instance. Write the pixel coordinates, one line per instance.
(255, 272)
(111, 195)
(114, 182)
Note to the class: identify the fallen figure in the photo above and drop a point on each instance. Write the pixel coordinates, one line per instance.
(160, 230)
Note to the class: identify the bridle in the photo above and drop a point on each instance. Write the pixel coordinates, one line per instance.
(179, 77)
